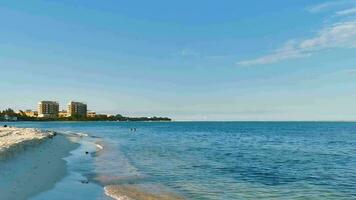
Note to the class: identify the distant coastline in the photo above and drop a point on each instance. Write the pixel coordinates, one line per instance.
(11, 115)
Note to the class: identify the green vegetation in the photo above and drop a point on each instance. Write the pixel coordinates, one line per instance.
(11, 114)
(21, 116)
(117, 117)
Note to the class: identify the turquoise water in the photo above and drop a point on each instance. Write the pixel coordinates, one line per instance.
(213, 160)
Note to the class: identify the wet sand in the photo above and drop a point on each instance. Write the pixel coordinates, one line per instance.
(31, 161)
(132, 192)
(122, 181)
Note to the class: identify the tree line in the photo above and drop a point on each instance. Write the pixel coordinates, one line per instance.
(21, 116)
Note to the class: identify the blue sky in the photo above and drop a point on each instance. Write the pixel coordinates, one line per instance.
(186, 59)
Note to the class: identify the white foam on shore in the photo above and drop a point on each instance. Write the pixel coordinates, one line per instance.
(99, 146)
(71, 133)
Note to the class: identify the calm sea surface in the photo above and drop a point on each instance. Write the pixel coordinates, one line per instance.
(214, 160)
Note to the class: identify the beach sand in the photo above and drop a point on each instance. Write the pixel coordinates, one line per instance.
(132, 192)
(11, 137)
(31, 161)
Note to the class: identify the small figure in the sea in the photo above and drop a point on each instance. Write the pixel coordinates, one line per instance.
(86, 152)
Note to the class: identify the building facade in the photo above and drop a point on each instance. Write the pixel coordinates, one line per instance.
(48, 109)
(31, 113)
(62, 114)
(77, 109)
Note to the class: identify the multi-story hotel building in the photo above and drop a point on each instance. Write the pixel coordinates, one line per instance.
(48, 109)
(77, 109)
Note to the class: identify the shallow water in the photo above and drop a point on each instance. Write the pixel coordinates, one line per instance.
(212, 160)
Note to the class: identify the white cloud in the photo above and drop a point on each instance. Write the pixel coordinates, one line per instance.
(338, 35)
(329, 5)
(350, 11)
(286, 52)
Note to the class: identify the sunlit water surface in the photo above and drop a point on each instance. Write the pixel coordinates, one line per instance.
(211, 160)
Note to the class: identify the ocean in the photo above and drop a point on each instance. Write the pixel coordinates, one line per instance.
(207, 160)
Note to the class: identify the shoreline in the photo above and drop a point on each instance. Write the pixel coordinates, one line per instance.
(31, 156)
(122, 180)
(46, 158)
(135, 192)
(12, 138)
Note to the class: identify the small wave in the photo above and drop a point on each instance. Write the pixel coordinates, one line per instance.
(99, 146)
(81, 134)
(75, 134)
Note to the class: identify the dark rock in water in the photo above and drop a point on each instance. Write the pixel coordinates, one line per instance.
(52, 135)
(84, 181)
(5, 125)
(86, 152)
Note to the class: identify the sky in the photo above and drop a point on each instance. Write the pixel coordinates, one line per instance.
(204, 60)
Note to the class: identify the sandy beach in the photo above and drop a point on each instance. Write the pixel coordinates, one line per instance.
(11, 137)
(31, 156)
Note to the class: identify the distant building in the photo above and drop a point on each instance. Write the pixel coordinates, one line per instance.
(31, 113)
(91, 114)
(77, 109)
(48, 109)
(62, 113)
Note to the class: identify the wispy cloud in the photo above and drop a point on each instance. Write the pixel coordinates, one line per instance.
(337, 35)
(330, 5)
(288, 51)
(350, 11)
